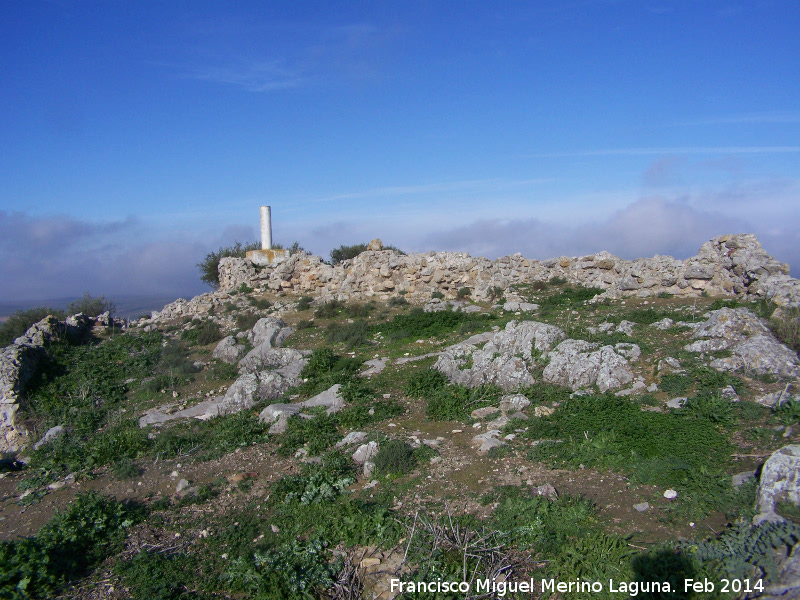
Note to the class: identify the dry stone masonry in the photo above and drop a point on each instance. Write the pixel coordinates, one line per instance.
(18, 363)
(728, 265)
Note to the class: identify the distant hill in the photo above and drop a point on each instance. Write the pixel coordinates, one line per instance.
(128, 307)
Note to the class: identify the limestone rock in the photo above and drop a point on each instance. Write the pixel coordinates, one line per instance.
(365, 452)
(275, 411)
(330, 398)
(753, 346)
(49, 436)
(354, 437)
(780, 480)
(488, 440)
(513, 402)
(579, 364)
(504, 359)
(228, 351)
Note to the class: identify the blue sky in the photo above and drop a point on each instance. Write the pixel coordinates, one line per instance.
(137, 136)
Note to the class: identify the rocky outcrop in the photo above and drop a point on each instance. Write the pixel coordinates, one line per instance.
(18, 363)
(505, 360)
(780, 480)
(753, 347)
(726, 266)
(509, 356)
(580, 364)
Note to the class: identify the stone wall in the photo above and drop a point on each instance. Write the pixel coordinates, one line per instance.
(724, 266)
(18, 363)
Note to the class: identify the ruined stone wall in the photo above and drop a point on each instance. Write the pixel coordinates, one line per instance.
(18, 363)
(725, 266)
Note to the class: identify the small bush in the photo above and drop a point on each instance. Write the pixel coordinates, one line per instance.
(496, 294)
(203, 332)
(463, 293)
(346, 252)
(357, 309)
(91, 307)
(304, 324)
(260, 303)
(304, 303)
(397, 301)
(18, 323)
(351, 335)
(437, 294)
(209, 267)
(328, 310)
(125, 468)
(786, 326)
(395, 456)
(246, 321)
(222, 371)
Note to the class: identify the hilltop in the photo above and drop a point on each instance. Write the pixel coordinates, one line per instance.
(316, 428)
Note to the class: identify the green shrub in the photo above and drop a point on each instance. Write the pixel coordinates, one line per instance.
(244, 289)
(70, 544)
(91, 307)
(437, 294)
(397, 301)
(569, 297)
(463, 293)
(246, 321)
(304, 303)
(18, 323)
(293, 570)
(259, 303)
(357, 309)
(396, 457)
(496, 294)
(125, 468)
(328, 310)
(324, 369)
(222, 371)
(304, 324)
(317, 435)
(424, 383)
(417, 323)
(209, 267)
(351, 335)
(202, 333)
(786, 326)
(159, 576)
(456, 402)
(346, 252)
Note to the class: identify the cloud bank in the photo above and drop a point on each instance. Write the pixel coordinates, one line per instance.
(46, 257)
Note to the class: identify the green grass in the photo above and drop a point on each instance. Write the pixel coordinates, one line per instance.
(687, 450)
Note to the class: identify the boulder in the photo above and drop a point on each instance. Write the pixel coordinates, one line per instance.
(48, 437)
(780, 480)
(513, 402)
(505, 358)
(330, 399)
(264, 357)
(365, 453)
(579, 364)
(228, 351)
(269, 330)
(488, 440)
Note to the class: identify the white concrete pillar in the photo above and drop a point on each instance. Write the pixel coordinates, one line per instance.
(266, 228)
